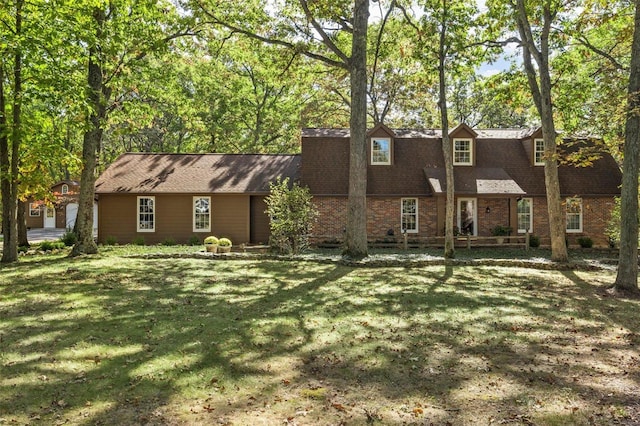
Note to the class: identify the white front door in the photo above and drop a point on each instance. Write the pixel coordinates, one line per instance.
(50, 218)
(468, 216)
(72, 213)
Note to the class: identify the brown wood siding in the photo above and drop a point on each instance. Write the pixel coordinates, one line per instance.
(260, 230)
(230, 217)
(34, 221)
(117, 215)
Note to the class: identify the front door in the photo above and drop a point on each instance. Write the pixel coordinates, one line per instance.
(50, 218)
(467, 216)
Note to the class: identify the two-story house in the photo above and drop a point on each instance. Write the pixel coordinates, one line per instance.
(499, 180)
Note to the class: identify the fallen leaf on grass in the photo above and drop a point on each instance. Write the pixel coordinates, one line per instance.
(339, 407)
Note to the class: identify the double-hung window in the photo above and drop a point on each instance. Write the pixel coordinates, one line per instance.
(34, 210)
(380, 151)
(146, 214)
(201, 214)
(409, 216)
(525, 215)
(574, 214)
(538, 152)
(462, 152)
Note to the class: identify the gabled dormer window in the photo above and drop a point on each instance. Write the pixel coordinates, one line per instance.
(380, 151)
(65, 189)
(462, 152)
(538, 152)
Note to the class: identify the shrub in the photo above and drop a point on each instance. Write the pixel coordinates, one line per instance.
(111, 240)
(224, 242)
(534, 241)
(23, 249)
(51, 245)
(501, 231)
(169, 242)
(292, 216)
(211, 240)
(194, 240)
(613, 227)
(138, 241)
(69, 238)
(585, 242)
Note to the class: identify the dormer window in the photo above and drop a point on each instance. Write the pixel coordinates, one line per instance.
(462, 152)
(65, 189)
(538, 152)
(380, 151)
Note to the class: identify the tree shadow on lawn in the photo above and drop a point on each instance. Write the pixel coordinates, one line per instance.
(222, 341)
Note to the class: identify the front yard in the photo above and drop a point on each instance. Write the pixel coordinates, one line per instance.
(114, 339)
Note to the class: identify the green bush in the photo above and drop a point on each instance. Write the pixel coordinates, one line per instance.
(501, 231)
(51, 245)
(111, 241)
(138, 241)
(534, 241)
(23, 249)
(224, 242)
(194, 240)
(169, 242)
(292, 214)
(585, 242)
(69, 238)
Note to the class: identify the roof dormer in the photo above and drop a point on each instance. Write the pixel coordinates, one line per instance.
(380, 146)
(463, 140)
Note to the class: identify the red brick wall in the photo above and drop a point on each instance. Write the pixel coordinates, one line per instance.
(384, 214)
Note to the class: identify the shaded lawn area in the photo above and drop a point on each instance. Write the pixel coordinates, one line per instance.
(111, 339)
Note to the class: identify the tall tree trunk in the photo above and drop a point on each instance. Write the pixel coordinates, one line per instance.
(11, 161)
(627, 276)
(97, 95)
(23, 240)
(356, 237)
(447, 149)
(8, 220)
(541, 93)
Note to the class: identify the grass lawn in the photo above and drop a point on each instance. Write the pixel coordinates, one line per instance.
(112, 339)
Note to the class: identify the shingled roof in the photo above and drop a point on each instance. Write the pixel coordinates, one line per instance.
(196, 173)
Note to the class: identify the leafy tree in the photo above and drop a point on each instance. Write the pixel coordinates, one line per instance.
(534, 22)
(627, 276)
(335, 34)
(292, 214)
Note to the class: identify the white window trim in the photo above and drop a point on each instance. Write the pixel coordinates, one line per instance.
(410, 231)
(574, 231)
(38, 210)
(155, 217)
(462, 163)
(381, 163)
(522, 231)
(535, 150)
(193, 204)
(64, 189)
(475, 214)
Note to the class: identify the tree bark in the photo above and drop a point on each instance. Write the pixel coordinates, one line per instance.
(447, 149)
(356, 235)
(97, 95)
(627, 275)
(23, 241)
(8, 218)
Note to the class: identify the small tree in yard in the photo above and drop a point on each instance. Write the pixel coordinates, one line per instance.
(292, 215)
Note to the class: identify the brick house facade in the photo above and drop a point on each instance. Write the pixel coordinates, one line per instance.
(499, 180)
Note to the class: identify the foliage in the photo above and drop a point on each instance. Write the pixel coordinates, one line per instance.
(211, 240)
(194, 240)
(224, 242)
(501, 230)
(137, 241)
(69, 238)
(292, 214)
(585, 242)
(612, 230)
(168, 242)
(112, 241)
(534, 241)
(51, 245)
